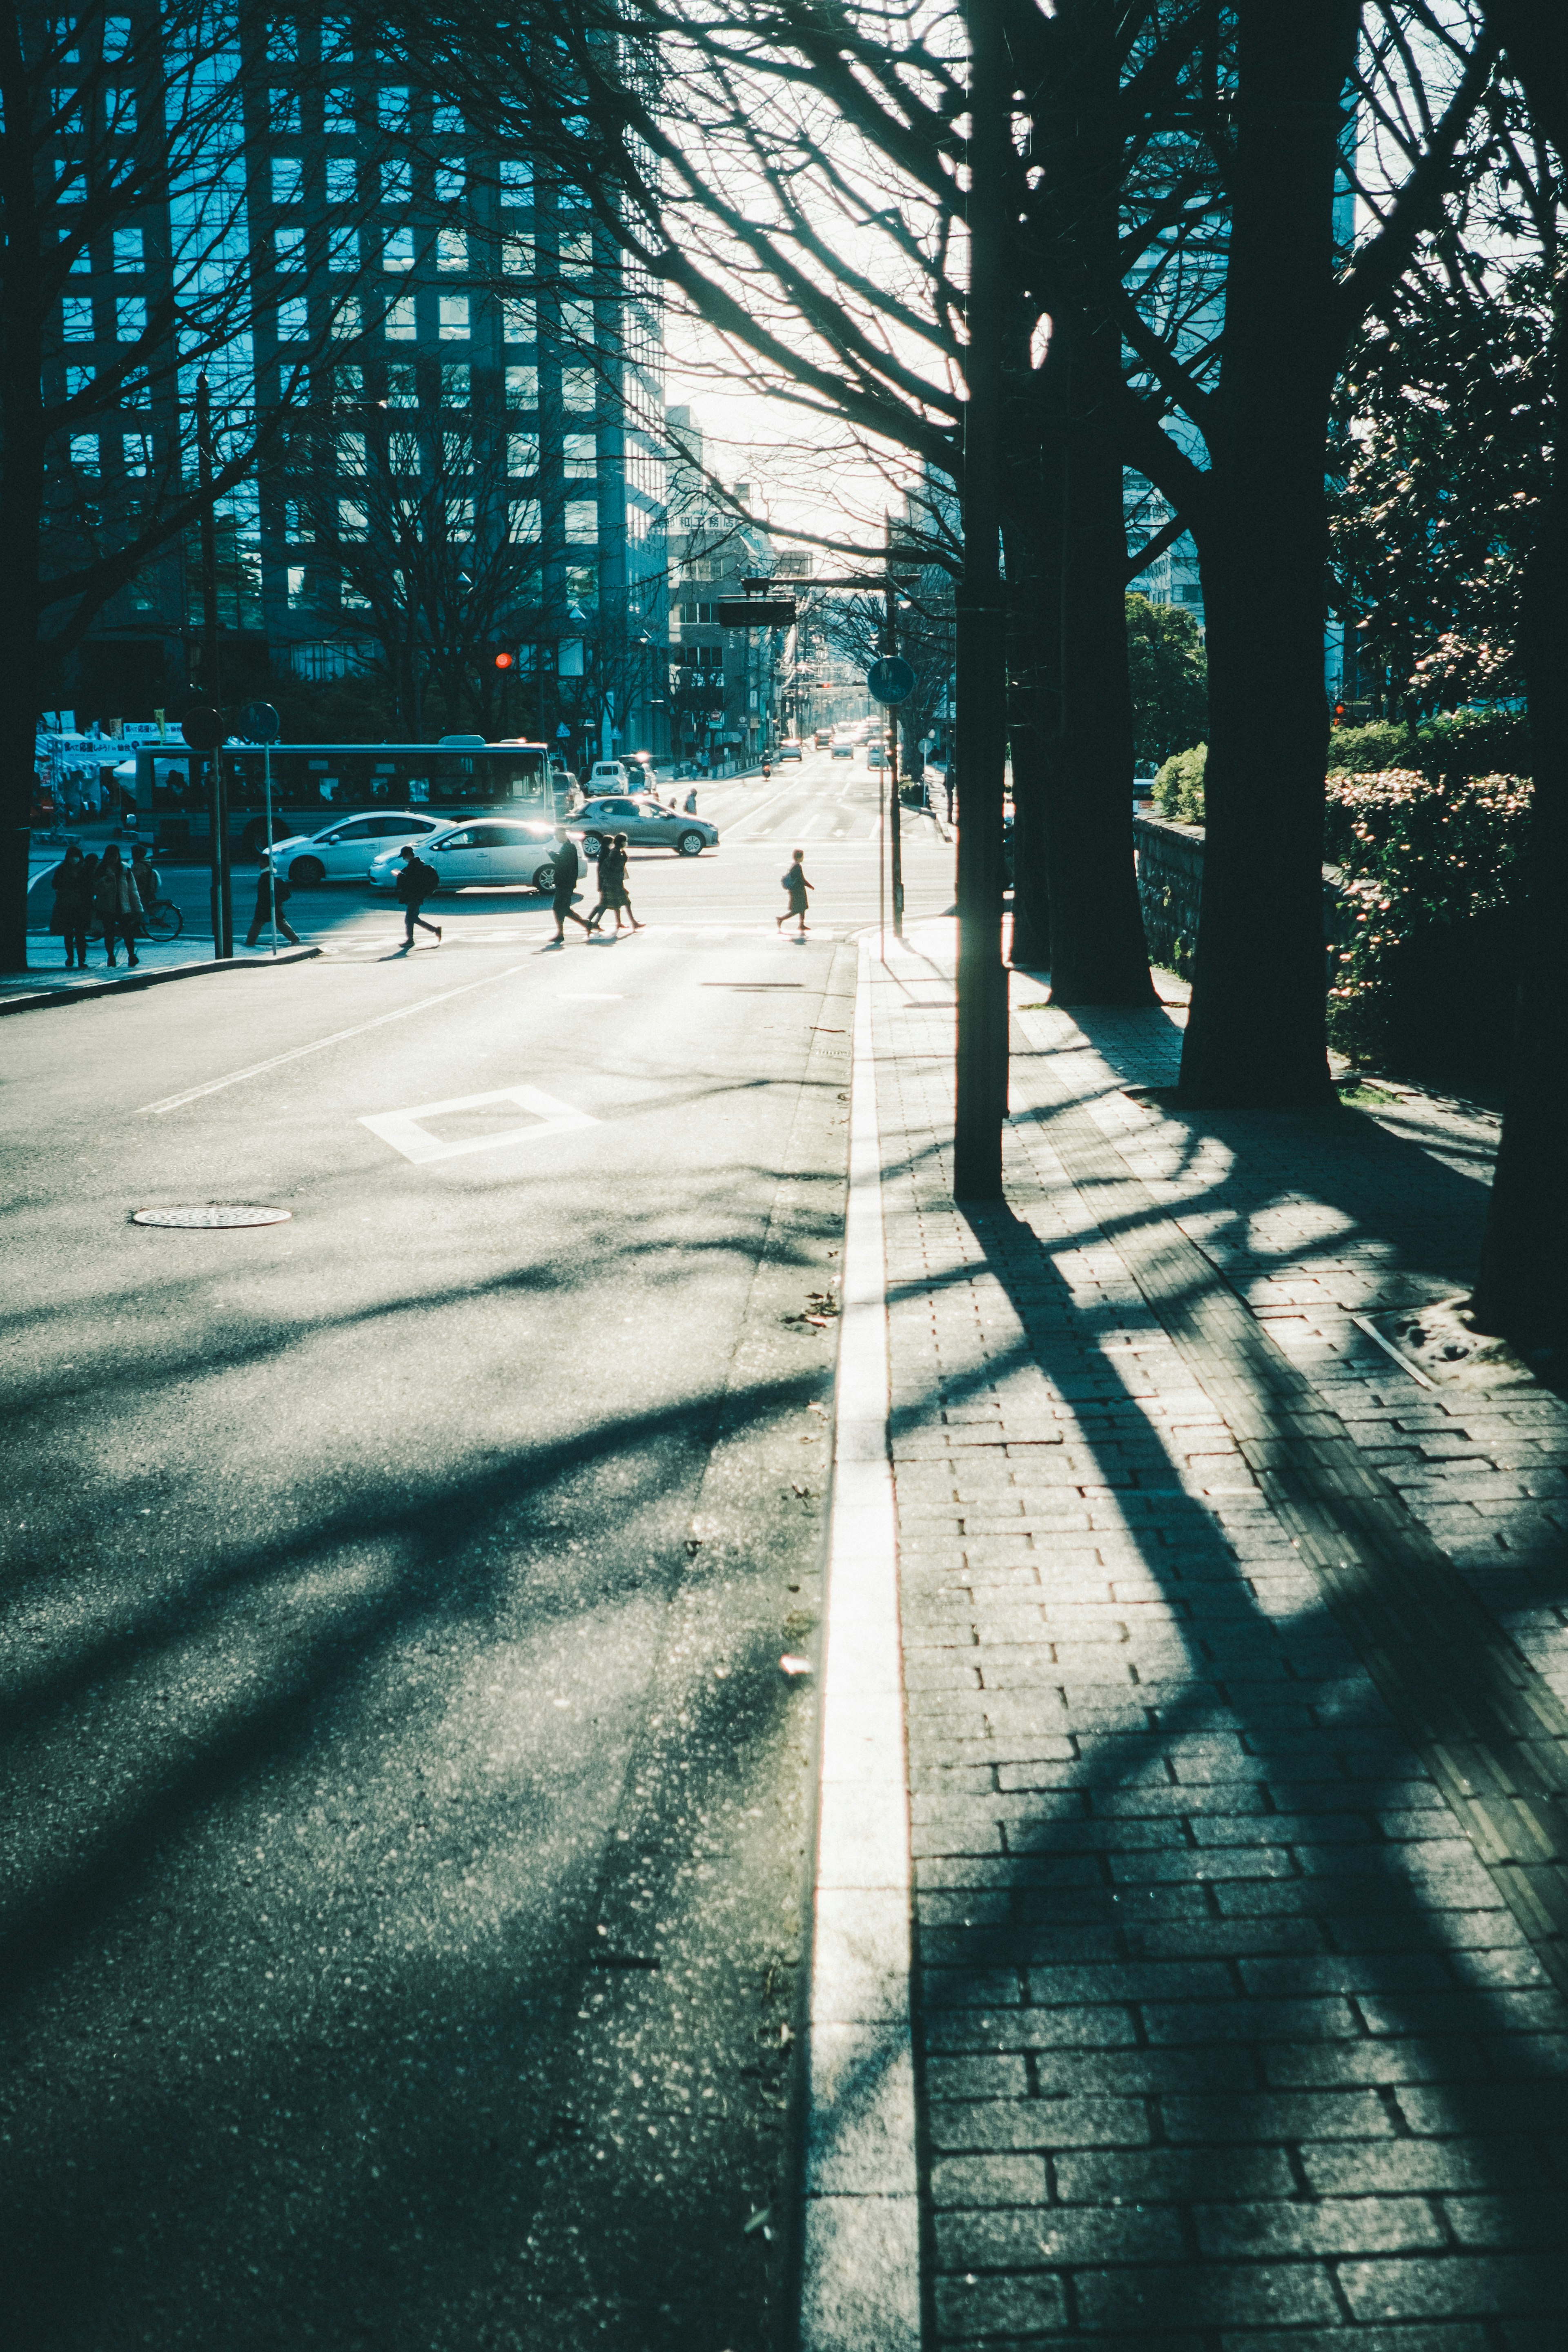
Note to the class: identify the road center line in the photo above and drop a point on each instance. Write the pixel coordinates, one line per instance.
(320, 1045)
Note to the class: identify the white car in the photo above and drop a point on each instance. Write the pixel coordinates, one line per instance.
(610, 776)
(347, 850)
(491, 850)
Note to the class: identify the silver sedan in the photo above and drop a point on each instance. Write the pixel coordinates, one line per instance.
(645, 822)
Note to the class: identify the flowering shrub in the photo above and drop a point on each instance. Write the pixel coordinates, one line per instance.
(1430, 870)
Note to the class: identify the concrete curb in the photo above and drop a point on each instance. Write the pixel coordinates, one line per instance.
(861, 2242)
(38, 1000)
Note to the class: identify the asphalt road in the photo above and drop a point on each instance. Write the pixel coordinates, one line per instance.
(402, 1908)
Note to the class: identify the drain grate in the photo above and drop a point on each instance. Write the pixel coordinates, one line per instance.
(210, 1215)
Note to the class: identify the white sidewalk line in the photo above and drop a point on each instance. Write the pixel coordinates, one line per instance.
(860, 2262)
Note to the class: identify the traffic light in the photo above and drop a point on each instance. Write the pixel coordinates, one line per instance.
(505, 661)
(1339, 714)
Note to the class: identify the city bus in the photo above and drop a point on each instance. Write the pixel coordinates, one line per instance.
(314, 783)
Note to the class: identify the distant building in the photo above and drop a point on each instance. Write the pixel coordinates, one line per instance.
(474, 402)
(725, 683)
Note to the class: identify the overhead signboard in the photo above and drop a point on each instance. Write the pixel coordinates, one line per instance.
(756, 613)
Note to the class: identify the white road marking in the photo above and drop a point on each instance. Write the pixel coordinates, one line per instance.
(320, 1045)
(406, 1131)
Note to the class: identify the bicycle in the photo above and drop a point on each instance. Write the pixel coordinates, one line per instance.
(163, 919)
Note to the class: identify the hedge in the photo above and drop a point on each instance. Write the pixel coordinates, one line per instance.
(1472, 742)
(1424, 976)
(1431, 871)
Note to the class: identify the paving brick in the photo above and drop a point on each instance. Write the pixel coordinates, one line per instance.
(1186, 1892)
(1340, 2065)
(1335, 2226)
(1065, 2123)
(1408, 2167)
(1031, 2029)
(976, 2078)
(1289, 2295)
(1138, 1981)
(1174, 2175)
(1248, 2020)
(989, 2180)
(1060, 2234)
(1521, 2221)
(1459, 2286)
(1278, 2115)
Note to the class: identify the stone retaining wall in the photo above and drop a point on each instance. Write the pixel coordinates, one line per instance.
(1170, 883)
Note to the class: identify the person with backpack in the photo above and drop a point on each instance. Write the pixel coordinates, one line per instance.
(415, 885)
(568, 872)
(796, 883)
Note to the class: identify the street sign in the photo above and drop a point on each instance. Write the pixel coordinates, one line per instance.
(756, 613)
(891, 679)
(258, 723)
(203, 728)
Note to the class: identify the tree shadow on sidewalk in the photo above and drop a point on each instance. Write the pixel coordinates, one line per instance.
(1214, 1953)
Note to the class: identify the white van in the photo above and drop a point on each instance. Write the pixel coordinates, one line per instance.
(609, 776)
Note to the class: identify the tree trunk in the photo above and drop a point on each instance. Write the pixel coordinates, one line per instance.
(1522, 1286)
(1099, 954)
(1256, 1030)
(1031, 731)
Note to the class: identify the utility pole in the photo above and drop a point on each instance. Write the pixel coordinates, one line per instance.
(981, 1105)
(222, 905)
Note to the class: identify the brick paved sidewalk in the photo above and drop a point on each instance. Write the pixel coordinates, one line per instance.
(1234, 1665)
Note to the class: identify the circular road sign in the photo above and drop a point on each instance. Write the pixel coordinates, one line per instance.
(259, 723)
(891, 679)
(204, 728)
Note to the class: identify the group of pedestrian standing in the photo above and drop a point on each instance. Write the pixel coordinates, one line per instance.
(102, 898)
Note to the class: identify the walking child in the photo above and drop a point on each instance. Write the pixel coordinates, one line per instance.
(796, 883)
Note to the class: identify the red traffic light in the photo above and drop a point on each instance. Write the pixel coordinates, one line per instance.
(504, 661)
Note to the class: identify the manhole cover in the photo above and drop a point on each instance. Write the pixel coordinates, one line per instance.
(212, 1214)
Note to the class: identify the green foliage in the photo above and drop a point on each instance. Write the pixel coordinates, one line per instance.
(1469, 743)
(1169, 674)
(1179, 786)
(1388, 743)
(1443, 420)
(1477, 742)
(1431, 870)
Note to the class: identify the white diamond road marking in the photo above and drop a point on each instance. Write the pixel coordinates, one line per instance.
(406, 1130)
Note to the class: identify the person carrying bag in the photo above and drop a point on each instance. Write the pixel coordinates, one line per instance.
(119, 904)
